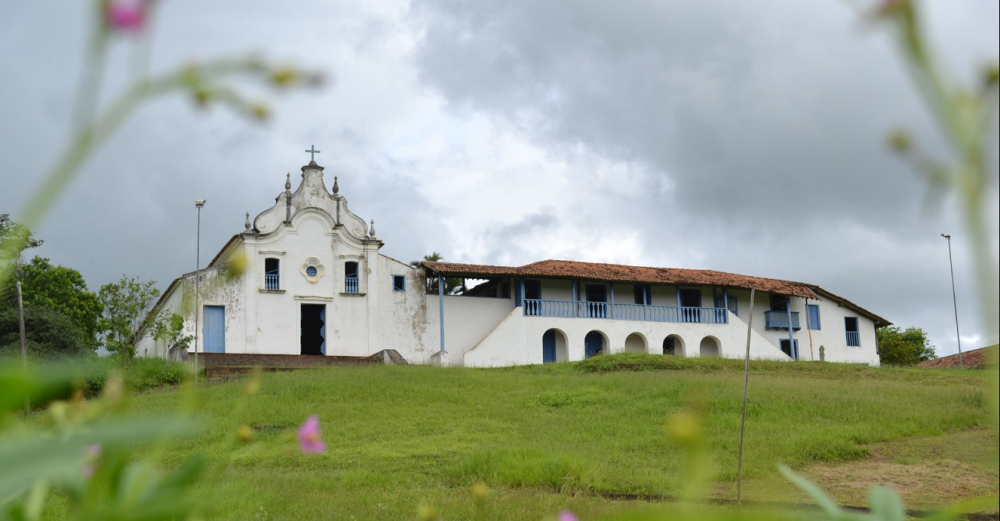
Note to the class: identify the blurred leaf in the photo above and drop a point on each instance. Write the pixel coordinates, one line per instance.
(886, 504)
(23, 461)
(56, 382)
(822, 500)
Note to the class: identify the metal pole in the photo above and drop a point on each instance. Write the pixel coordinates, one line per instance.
(809, 327)
(197, 288)
(791, 331)
(954, 299)
(24, 342)
(743, 421)
(441, 306)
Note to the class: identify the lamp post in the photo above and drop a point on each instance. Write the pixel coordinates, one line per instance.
(954, 300)
(197, 288)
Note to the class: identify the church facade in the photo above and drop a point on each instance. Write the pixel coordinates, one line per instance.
(306, 277)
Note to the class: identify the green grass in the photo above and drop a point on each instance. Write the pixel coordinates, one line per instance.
(548, 437)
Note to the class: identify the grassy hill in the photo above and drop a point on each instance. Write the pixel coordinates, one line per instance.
(582, 435)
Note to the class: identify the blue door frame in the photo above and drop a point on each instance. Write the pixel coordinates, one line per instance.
(214, 329)
(549, 347)
(593, 344)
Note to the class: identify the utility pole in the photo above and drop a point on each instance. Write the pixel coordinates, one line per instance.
(24, 342)
(197, 289)
(954, 300)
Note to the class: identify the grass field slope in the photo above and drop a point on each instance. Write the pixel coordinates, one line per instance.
(588, 436)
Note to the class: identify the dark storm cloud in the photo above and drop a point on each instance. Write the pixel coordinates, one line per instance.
(716, 134)
(131, 208)
(768, 119)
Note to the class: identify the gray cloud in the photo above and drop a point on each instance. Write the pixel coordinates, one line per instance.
(768, 121)
(734, 136)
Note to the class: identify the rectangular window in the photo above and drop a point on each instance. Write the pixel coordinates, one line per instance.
(691, 298)
(643, 295)
(271, 279)
(597, 293)
(779, 302)
(533, 289)
(792, 351)
(814, 316)
(853, 335)
(350, 277)
(399, 283)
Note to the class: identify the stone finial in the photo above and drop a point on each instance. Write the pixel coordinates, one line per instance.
(246, 225)
(288, 181)
(371, 230)
(336, 187)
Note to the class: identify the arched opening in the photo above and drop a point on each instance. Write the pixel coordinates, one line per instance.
(709, 347)
(554, 347)
(673, 345)
(594, 344)
(635, 343)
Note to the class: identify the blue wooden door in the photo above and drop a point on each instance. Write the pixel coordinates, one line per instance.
(593, 344)
(549, 347)
(214, 330)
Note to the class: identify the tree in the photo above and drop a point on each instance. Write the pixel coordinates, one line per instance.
(60, 289)
(899, 347)
(14, 238)
(124, 321)
(49, 334)
(452, 286)
(169, 327)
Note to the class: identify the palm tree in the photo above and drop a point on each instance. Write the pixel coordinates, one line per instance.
(452, 286)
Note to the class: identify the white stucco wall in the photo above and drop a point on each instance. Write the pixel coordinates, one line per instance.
(480, 331)
(518, 339)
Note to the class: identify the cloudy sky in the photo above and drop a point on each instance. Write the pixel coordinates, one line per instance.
(736, 136)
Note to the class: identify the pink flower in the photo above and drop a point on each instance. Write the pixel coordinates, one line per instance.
(91, 457)
(309, 437)
(127, 16)
(566, 515)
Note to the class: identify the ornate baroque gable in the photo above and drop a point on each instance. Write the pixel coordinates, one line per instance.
(311, 193)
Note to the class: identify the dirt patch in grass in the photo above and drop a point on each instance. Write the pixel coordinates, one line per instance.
(928, 472)
(922, 485)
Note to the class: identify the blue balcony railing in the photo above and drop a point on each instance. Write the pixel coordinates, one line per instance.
(271, 281)
(350, 284)
(574, 309)
(853, 339)
(779, 320)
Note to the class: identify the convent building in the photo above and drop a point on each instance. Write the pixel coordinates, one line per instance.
(314, 282)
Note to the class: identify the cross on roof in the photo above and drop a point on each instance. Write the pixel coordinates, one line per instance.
(312, 152)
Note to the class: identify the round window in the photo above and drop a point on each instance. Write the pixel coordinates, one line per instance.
(311, 271)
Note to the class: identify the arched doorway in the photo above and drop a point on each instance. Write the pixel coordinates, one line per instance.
(709, 347)
(673, 345)
(635, 343)
(593, 344)
(554, 347)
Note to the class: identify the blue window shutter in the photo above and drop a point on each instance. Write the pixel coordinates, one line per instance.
(734, 305)
(814, 322)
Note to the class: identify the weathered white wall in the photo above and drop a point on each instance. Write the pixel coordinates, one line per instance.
(832, 334)
(518, 339)
(480, 331)
(403, 315)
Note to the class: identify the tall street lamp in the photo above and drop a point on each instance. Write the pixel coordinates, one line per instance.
(197, 288)
(954, 300)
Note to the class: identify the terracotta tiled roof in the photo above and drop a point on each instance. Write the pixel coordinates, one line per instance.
(560, 269)
(975, 358)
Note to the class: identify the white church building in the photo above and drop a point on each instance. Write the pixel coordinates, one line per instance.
(306, 277)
